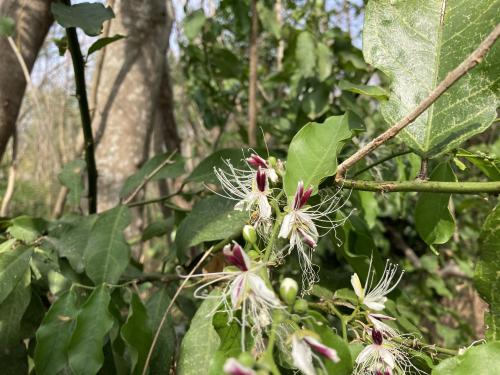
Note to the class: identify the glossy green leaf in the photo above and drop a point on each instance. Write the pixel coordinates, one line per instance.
(85, 352)
(103, 42)
(175, 169)
(371, 91)
(312, 154)
(87, 16)
(12, 310)
(487, 277)
(26, 228)
(107, 253)
(164, 350)
(7, 26)
(213, 218)
(305, 54)
(71, 176)
(194, 23)
(481, 359)
(14, 262)
(201, 341)
(416, 43)
(433, 220)
(54, 334)
(137, 334)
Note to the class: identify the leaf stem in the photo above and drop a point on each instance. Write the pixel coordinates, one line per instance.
(274, 234)
(81, 95)
(422, 186)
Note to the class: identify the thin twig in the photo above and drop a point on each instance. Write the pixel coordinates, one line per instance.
(174, 298)
(474, 59)
(423, 186)
(81, 94)
(148, 178)
(252, 78)
(383, 160)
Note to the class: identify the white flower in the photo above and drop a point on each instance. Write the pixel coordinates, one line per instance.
(303, 353)
(233, 367)
(375, 298)
(245, 290)
(300, 227)
(377, 320)
(250, 188)
(383, 357)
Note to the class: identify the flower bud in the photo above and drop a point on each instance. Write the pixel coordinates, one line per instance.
(253, 254)
(272, 161)
(246, 359)
(250, 234)
(300, 306)
(288, 290)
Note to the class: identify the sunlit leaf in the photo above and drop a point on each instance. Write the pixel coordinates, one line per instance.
(371, 91)
(481, 359)
(194, 23)
(14, 262)
(305, 53)
(416, 43)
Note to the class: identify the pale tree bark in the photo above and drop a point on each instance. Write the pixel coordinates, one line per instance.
(33, 19)
(128, 94)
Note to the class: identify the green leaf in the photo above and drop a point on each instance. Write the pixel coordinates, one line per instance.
(371, 91)
(94, 321)
(416, 44)
(230, 346)
(433, 220)
(268, 19)
(14, 360)
(87, 16)
(488, 164)
(26, 228)
(482, 359)
(103, 42)
(325, 61)
(315, 103)
(487, 277)
(12, 310)
(70, 238)
(54, 334)
(137, 334)
(107, 253)
(204, 172)
(213, 218)
(155, 229)
(164, 350)
(201, 341)
(71, 177)
(194, 23)
(14, 263)
(305, 54)
(312, 154)
(173, 170)
(7, 26)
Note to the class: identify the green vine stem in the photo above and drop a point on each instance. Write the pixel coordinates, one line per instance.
(81, 95)
(422, 186)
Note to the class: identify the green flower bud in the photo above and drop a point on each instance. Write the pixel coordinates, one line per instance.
(253, 254)
(246, 359)
(272, 161)
(300, 306)
(249, 234)
(288, 290)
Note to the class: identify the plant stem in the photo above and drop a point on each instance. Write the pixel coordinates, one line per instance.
(414, 344)
(274, 234)
(422, 186)
(81, 95)
(470, 62)
(383, 160)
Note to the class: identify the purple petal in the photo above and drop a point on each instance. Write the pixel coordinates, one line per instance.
(306, 196)
(256, 161)
(308, 240)
(324, 350)
(377, 337)
(298, 195)
(233, 367)
(236, 256)
(261, 180)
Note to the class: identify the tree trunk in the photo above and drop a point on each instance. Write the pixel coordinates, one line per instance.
(33, 19)
(128, 93)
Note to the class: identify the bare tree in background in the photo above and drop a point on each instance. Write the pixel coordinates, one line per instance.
(129, 93)
(33, 19)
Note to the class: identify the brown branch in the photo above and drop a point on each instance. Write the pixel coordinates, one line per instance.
(474, 59)
(252, 80)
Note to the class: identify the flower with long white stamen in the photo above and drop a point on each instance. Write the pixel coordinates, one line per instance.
(377, 320)
(245, 290)
(383, 356)
(250, 188)
(233, 367)
(305, 348)
(300, 225)
(375, 298)
(257, 162)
